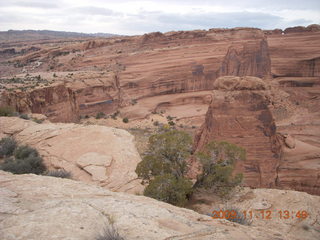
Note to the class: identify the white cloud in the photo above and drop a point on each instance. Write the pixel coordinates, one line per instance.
(137, 16)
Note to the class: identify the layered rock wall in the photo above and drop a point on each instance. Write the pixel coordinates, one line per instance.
(239, 114)
(245, 111)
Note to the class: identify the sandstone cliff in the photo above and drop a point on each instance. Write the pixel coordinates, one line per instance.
(114, 72)
(37, 207)
(239, 114)
(96, 154)
(244, 111)
(135, 68)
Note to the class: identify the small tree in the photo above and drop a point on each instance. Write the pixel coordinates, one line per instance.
(100, 115)
(168, 188)
(125, 120)
(167, 154)
(218, 160)
(164, 166)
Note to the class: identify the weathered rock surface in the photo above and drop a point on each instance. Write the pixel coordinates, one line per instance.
(102, 155)
(38, 207)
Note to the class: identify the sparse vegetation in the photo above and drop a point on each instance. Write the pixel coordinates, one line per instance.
(110, 233)
(100, 115)
(22, 159)
(60, 173)
(169, 118)
(7, 146)
(25, 151)
(134, 101)
(171, 123)
(24, 116)
(114, 115)
(39, 121)
(24, 83)
(6, 111)
(125, 120)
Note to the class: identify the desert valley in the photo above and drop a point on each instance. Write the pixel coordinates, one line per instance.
(90, 106)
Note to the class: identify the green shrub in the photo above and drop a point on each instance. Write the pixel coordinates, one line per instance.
(171, 123)
(218, 160)
(166, 154)
(24, 116)
(7, 146)
(169, 118)
(6, 111)
(100, 115)
(39, 121)
(164, 166)
(114, 115)
(60, 173)
(24, 151)
(125, 120)
(31, 164)
(109, 233)
(168, 188)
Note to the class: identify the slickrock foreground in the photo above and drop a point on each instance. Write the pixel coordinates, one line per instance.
(38, 207)
(102, 155)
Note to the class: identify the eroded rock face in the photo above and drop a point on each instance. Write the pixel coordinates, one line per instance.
(252, 60)
(280, 137)
(239, 114)
(112, 74)
(299, 165)
(108, 74)
(67, 101)
(102, 155)
(38, 207)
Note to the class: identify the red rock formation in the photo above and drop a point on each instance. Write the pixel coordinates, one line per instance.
(56, 102)
(66, 102)
(253, 60)
(301, 29)
(294, 55)
(244, 112)
(151, 65)
(240, 115)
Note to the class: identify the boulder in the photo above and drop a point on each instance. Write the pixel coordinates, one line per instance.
(102, 155)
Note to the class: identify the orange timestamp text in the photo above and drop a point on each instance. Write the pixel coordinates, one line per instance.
(259, 214)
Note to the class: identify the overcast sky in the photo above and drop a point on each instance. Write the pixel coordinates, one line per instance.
(138, 16)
